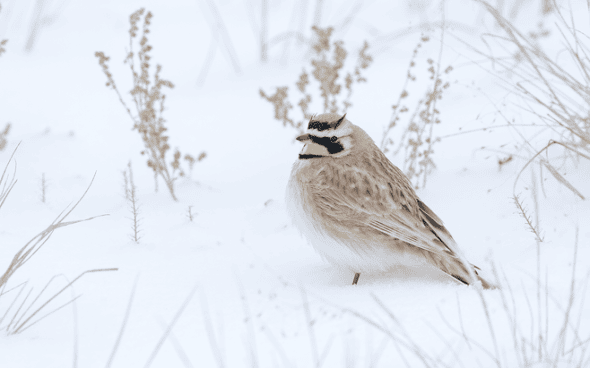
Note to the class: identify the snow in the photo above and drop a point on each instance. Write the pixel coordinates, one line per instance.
(256, 293)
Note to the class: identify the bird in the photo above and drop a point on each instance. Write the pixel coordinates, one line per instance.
(360, 212)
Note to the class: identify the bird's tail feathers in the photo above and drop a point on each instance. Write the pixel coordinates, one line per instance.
(486, 284)
(461, 273)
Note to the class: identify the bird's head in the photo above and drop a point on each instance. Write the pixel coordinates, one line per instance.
(331, 135)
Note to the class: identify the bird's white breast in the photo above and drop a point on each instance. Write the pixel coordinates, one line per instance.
(360, 255)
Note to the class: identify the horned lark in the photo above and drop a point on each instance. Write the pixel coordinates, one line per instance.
(360, 212)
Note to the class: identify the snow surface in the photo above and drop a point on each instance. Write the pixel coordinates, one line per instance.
(257, 294)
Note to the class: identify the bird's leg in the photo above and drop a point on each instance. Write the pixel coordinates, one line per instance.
(356, 278)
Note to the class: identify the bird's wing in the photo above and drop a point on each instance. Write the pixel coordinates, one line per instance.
(380, 196)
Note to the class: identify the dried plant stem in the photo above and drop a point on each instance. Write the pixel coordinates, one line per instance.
(131, 194)
(554, 87)
(4, 133)
(16, 318)
(190, 215)
(30, 248)
(16, 298)
(148, 101)
(23, 256)
(168, 330)
(6, 182)
(554, 173)
(327, 63)
(534, 229)
(418, 139)
(217, 351)
(43, 187)
(123, 325)
(218, 26)
(75, 326)
(24, 326)
(180, 351)
(37, 22)
(397, 109)
(432, 112)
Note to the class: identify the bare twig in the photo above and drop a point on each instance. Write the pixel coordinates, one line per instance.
(169, 328)
(217, 353)
(8, 183)
(24, 326)
(527, 218)
(30, 248)
(123, 325)
(148, 99)
(551, 142)
(131, 194)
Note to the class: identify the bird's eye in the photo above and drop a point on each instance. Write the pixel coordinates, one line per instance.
(333, 139)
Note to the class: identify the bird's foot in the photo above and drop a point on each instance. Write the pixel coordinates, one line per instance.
(356, 278)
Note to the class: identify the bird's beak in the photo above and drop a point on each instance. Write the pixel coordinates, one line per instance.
(303, 138)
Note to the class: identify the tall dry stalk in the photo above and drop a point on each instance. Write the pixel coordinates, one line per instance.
(552, 89)
(33, 246)
(327, 65)
(148, 99)
(22, 318)
(7, 182)
(131, 197)
(43, 188)
(418, 139)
